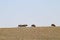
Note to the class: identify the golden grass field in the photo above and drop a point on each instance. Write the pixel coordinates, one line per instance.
(30, 33)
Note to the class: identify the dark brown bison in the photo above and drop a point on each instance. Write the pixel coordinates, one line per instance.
(53, 25)
(33, 25)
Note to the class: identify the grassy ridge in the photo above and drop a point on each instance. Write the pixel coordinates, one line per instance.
(37, 33)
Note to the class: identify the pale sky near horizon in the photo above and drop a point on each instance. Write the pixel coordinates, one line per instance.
(38, 12)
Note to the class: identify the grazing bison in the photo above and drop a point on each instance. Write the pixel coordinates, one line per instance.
(33, 25)
(53, 25)
(22, 25)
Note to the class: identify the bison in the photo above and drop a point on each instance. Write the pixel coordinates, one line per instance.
(53, 25)
(33, 25)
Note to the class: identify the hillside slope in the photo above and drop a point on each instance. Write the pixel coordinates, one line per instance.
(37, 33)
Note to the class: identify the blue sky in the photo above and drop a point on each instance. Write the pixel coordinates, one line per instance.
(39, 12)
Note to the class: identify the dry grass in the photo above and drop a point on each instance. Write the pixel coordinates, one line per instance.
(37, 33)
